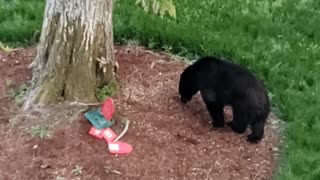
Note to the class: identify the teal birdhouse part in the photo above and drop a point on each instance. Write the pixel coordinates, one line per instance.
(97, 120)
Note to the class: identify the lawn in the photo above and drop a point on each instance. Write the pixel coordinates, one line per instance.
(277, 39)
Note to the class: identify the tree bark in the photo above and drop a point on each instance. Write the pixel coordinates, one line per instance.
(75, 52)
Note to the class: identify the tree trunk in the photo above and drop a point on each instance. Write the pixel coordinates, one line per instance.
(75, 52)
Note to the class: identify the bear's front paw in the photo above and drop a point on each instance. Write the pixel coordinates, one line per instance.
(184, 100)
(218, 124)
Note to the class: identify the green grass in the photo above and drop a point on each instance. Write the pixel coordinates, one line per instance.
(40, 131)
(106, 91)
(277, 39)
(17, 93)
(20, 21)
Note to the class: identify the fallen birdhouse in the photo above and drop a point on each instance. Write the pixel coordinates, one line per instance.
(101, 119)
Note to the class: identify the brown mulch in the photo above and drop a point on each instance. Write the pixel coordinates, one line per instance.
(170, 140)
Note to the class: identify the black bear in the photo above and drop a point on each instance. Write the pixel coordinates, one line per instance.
(221, 83)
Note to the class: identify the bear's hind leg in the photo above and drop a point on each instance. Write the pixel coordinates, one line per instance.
(257, 131)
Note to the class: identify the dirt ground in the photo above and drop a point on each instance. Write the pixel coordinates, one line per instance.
(170, 140)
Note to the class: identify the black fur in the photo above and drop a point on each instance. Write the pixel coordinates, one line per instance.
(223, 83)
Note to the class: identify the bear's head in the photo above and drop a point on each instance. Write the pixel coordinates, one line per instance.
(188, 84)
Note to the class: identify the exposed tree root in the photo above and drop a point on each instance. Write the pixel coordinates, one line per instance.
(50, 115)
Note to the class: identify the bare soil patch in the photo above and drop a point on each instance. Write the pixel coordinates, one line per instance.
(170, 140)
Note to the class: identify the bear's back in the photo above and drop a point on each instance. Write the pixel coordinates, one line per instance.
(212, 69)
(225, 78)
